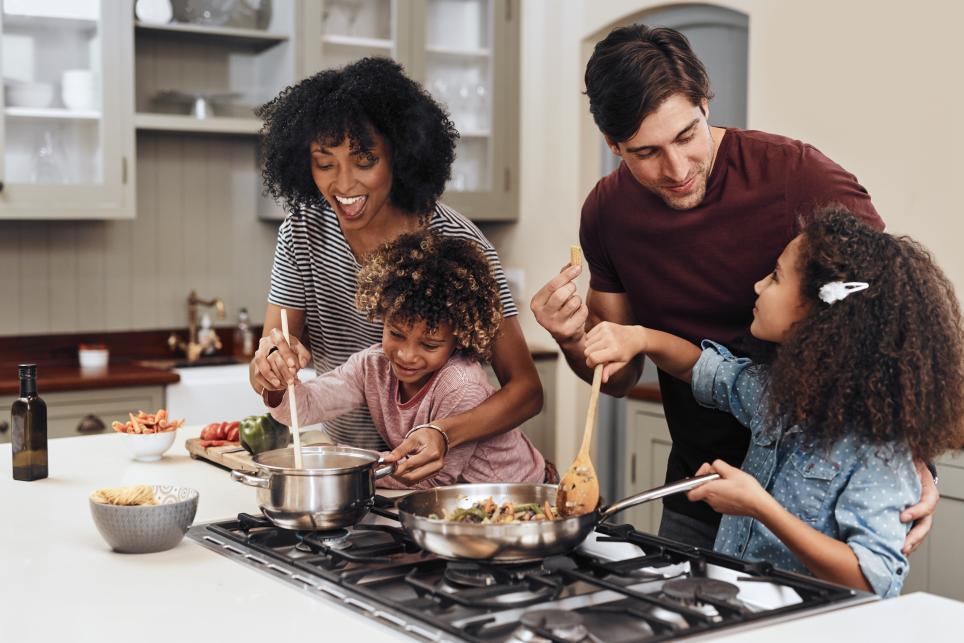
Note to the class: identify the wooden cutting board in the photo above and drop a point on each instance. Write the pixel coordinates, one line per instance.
(234, 456)
(231, 456)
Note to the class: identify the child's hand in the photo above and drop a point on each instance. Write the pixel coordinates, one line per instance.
(613, 345)
(420, 455)
(737, 493)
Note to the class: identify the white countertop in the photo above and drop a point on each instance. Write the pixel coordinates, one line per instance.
(60, 581)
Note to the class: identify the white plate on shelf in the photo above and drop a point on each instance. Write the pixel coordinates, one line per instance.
(154, 12)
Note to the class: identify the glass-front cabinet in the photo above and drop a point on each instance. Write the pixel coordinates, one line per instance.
(465, 53)
(66, 136)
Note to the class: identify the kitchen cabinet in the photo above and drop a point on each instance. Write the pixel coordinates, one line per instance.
(205, 75)
(937, 566)
(65, 133)
(198, 77)
(466, 54)
(644, 449)
(541, 429)
(67, 409)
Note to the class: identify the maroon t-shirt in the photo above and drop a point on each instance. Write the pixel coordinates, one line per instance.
(691, 272)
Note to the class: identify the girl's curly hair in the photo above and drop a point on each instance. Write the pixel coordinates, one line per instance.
(369, 96)
(426, 277)
(886, 363)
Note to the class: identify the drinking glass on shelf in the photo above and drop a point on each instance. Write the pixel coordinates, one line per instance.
(463, 107)
(440, 89)
(457, 183)
(352, 8)
(48, 163)
(480, 107)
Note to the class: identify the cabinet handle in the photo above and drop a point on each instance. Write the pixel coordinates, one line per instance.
(4, 426)
(632, 470)
(91, 424)
(1, 186)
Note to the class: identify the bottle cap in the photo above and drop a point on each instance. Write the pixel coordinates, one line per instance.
(28, 370)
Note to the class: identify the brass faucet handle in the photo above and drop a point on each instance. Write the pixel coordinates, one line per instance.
(194, 352)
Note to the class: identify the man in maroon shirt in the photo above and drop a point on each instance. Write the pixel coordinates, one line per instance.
(678, 234)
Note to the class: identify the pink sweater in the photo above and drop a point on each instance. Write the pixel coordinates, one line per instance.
(459, 386)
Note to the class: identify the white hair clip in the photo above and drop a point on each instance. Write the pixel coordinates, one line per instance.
(838, 290)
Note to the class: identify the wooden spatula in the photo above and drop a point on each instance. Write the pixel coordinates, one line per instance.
(578, 491)
(292, 402)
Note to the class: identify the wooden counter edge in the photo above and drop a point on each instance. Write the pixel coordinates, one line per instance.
(646, 392)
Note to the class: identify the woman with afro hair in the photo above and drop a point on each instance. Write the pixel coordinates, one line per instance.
(863, 378)
(359, 156)
(440, 313)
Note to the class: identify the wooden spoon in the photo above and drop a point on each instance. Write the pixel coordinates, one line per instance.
(292, 402)
(578, 491)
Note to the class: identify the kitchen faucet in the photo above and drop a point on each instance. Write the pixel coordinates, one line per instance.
(193, 348)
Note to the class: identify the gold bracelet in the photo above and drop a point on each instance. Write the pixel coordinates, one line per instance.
(429, 425)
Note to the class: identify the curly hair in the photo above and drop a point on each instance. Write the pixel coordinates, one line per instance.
(426, 277)
(887, 362)
(369, 96)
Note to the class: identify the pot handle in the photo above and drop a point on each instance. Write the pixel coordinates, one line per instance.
(652, 494)
(248, 479)
(384, 471)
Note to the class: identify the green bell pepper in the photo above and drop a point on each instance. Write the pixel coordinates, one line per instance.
(261, 433)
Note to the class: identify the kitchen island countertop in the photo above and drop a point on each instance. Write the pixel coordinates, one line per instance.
(60, 580)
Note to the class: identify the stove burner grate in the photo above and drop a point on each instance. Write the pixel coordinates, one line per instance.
(459, 574)
(554, 625)
(694, 589)
(311, 541)
(517, 589)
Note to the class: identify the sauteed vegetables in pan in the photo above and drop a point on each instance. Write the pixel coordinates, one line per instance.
(489, 512)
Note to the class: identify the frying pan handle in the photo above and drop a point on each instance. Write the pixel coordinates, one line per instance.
(653, 494)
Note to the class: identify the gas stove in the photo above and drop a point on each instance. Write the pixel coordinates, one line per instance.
(619, 585)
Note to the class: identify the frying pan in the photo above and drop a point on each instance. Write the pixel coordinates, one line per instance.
(516, 542)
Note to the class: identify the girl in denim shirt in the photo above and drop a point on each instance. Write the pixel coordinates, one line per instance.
(865, 376)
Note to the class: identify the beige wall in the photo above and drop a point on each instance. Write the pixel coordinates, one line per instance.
(863, 80)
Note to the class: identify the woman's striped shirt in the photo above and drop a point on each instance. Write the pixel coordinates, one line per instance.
(315, 271)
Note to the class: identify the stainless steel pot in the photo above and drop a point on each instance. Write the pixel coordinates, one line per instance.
(334, 488)
(513, 542)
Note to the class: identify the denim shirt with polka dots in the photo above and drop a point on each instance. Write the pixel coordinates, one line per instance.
(853, 492)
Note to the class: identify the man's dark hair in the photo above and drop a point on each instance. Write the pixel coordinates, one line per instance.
(633, 70)
(372, 95)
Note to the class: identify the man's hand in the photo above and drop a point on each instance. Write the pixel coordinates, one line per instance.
(737, 493)
(419, 456)
(559, 309)
(923, 512)
(271, 370)
(613, 345)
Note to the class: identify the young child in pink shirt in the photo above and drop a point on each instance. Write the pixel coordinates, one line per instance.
(441, 312)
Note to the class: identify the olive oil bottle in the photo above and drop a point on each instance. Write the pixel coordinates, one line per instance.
(29, 434)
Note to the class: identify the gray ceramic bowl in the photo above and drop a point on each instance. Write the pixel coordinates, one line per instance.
(147, 528)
